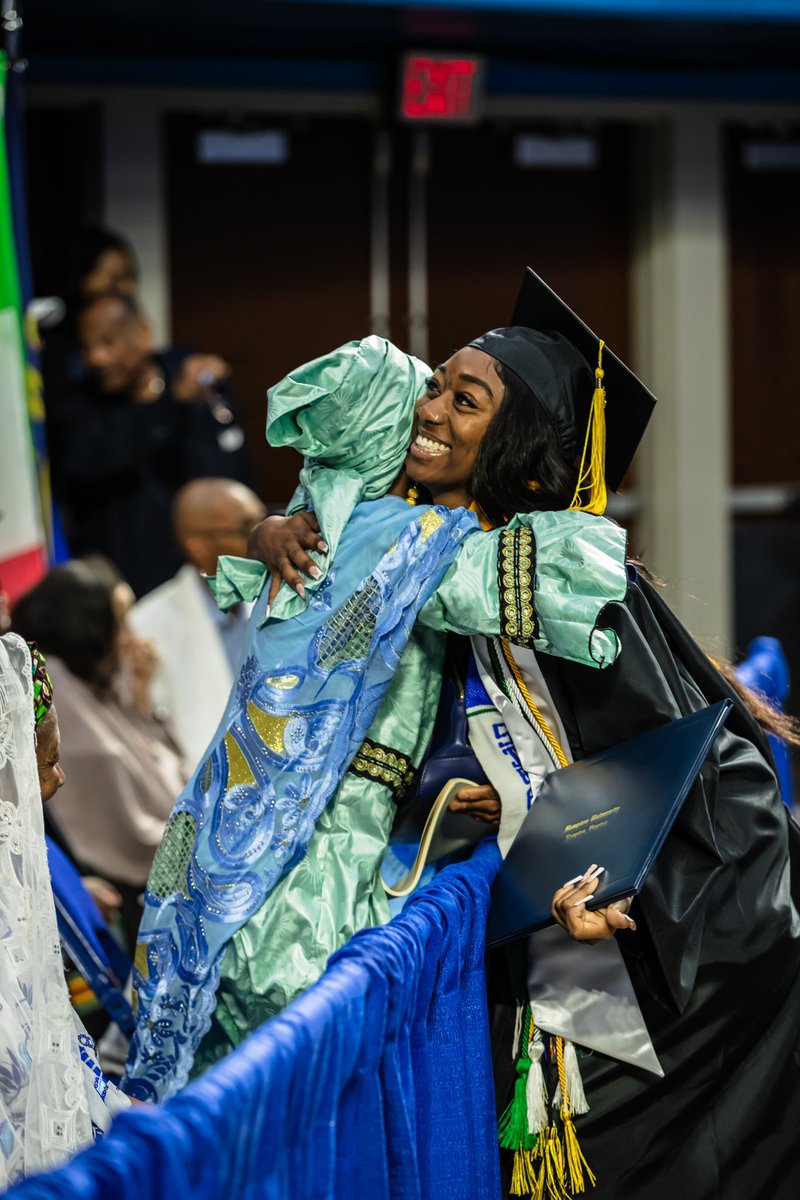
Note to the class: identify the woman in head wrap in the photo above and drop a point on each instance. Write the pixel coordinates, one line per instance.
(53, 1097)
(504, 426)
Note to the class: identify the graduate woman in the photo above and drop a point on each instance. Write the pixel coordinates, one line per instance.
(687, 1016)
(695, 1012)
(272, 853)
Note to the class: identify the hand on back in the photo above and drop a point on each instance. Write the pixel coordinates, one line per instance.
(282, 544)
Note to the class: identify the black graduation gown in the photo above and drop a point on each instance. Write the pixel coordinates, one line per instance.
(715, 960)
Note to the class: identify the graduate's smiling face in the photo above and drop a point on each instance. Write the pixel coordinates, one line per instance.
(461, 398)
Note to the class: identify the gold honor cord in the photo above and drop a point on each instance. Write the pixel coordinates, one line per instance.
(523, 687)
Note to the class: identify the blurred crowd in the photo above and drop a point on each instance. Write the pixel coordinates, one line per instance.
(150, 480)
(127, 425)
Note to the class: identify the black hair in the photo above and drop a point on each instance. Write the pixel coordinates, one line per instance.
(520, 446)
(76, 256)
(70, 615)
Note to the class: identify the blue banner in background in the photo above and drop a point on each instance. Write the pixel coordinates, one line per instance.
(698, 10)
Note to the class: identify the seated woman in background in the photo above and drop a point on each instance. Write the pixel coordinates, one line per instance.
(53, 1097)
(123, 769)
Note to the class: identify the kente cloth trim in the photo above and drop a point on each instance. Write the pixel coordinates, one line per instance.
(305, 698)
(516, 572)
(384, 765)
(42, 687)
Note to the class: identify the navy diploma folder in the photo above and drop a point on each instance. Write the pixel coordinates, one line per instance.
(614, 808)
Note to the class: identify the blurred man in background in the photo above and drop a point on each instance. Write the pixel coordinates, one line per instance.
(199, 646)
(131, 433)
(91, 262)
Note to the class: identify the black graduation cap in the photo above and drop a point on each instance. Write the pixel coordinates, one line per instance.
(559, 380)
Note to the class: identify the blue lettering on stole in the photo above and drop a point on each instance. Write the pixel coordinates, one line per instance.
(506, 746)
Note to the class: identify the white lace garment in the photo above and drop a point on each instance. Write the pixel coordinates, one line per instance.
(52, 1095)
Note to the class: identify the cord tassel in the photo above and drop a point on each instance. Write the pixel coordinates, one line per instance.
(578, 1104)
(524, 1181)
(512, 1127)
(535, 1090)
(548, 1162)
(517, 1031)
(592, 474)
(554, 1166)
(576, 1164)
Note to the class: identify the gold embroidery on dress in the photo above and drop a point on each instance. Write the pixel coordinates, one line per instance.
(384, 765)
(270, 729)
(140, 959)
(429, 522)
(283, 683)
(515, 570)
(239, 770)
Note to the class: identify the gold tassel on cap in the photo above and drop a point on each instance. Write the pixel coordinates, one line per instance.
(590, 493)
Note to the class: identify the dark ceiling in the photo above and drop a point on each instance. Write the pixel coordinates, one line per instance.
(224, 41)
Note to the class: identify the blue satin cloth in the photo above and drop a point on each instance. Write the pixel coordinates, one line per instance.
(374, 1084)
(305, 698)
(85, 936)
(766, 670)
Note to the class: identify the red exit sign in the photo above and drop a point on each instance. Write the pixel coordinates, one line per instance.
(440, 89)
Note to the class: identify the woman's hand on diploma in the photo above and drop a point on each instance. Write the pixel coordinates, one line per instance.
(589, 925)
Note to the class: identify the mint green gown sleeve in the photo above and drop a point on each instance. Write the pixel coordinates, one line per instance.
(541, 581)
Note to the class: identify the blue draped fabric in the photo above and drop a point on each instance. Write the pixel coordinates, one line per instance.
(766, 670)
(86, 938)
(307, 693)
(375, 1085)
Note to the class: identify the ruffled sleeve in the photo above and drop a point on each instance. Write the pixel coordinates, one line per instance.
(236, 580)
(542, 582)
(350, 413)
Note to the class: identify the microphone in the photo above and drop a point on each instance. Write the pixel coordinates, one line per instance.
(231, 437)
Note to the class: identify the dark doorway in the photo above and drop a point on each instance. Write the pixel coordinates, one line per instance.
(763, 193)
(499, 201)
(269, 262)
